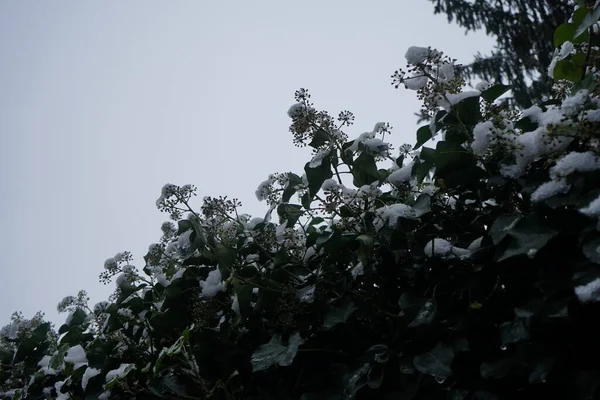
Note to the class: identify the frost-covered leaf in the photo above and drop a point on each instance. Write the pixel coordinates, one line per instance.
(275, 353)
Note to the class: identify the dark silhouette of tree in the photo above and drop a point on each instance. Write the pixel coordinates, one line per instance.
(524, 31)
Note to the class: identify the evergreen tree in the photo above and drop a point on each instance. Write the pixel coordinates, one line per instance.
(524, 31)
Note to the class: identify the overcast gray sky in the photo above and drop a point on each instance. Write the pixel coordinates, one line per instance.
(101, 103)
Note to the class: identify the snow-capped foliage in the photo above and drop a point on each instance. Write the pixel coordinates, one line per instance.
(368, 265)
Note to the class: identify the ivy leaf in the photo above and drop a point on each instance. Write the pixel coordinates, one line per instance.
(422, 205)
(497, 369)
(564, 33)
(275, 353)
(590, 248)
(365, 248)
(438, 361)
(426, 314)
(290, 190)
(423, 135)
(290, 213)
(319, 139)
(514, 331)
(494, 92)
(226, 257)
(529, 235)
(541, 369)
(316, 176)
(339, 315)
(502, 226)
(450, 157)
(244, 296)
(590, 19)
(568, 70)
(365, 170)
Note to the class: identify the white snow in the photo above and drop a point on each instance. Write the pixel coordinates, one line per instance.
(297, 110)
(416, 55)
(392, 212)
(376, 146)
(401, 175)
(167, 191)
(11, 331)
(549, 189)
(361, 139)
(87, 375)
(317, 159)
(593, 209)
(183, 241)
(458, 97)
(416, 82)
(446, 72)
(438, 247)
(575, 162)
(443, 248)
(263, 189)
(235, 304)
(559, 54)
(44, 365)
(213, 284)
(592, 115)
(330, 184)
(482, 137)
(306, 294)
(589, 292)
(76, 356)
(573, 104)
(483, 85)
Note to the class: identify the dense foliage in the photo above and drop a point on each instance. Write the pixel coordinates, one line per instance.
(523, 30)
(463, 270)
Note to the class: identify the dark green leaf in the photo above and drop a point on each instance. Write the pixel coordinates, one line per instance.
(590, 248)
(567, 70)
(564, 33)
(227, 257)
(529, 235)
(503, 225)
(293, 181)
(365, 170)
(244, 297)
(514, 331)
(365, 248)
(290, 213)
(492, 93)
(320, 138)
(316, 176)
(497, 369)
(339, 315)
(541, 369)
(426, 314)
(423, 135)
(437, 362)
(275, 353)
(590, 19)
